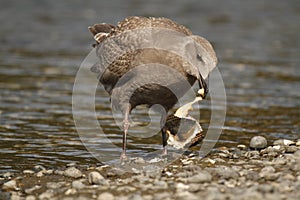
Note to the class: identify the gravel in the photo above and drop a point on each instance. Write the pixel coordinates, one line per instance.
(272, 172)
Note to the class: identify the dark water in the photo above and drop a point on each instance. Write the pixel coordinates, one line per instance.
(44, 42)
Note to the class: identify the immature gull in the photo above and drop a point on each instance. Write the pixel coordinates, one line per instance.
(148, 60)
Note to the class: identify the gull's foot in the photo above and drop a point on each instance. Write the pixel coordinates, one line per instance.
(123, 157)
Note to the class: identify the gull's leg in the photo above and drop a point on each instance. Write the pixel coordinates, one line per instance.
(163, 133)
(125, 126)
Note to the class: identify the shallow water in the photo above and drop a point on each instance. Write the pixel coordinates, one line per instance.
(42, 47)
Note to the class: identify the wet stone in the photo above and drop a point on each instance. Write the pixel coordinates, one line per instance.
(10, 185)
(77, 184)
(106, 196)
(95, 178)
(28, 171)
(30, 197)
(73, 172)
(291, 149)
(283, 142)
(201, 177)
(55, 185)
(258, 142)
(297, 153)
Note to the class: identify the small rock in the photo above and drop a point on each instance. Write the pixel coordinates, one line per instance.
(252, 154)
(46, 195)
(268, 173)
(297, 153)
(160, 184)
(181, 186)
(38, 168)
(298, 143)
(40, 173)
(242, 147)
(265, 188)
(30, 197)
(161, 196)
(15, 196)
(186, 195)
(291, 149)
(72, 164)
(28, 171)
(31, 190)
(95, 178)
(258, 142)
(106, 196)
(136, 197)
(58, 172)
(201, 177)
(283, 142)
(7, 175)
(70, 191)
(54, 185)
(224, 172)
(10, 185)
(73, 172)
(77, 184)
(139, 160)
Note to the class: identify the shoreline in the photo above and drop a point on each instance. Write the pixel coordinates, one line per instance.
(271, 172)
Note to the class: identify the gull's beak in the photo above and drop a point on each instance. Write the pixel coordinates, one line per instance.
(203, 87)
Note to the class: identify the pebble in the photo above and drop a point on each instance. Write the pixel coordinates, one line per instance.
(291, 149)
(283, 142)
(298, 143)
(30, 197)
(77, 184)
(46, 195)
(95, 178)
(258, 142)
(297, 153)
(242, 147)
(31, 190)
(73, 172)
(254, 174)
(201, 177)
(38, 168)
(10, 185)
(54, 185)
(28, 171)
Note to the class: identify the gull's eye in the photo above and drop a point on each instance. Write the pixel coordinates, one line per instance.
(200, 58)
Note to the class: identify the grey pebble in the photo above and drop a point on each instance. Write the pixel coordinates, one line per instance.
(265, 188)
(38, 168)
(136, 197)
(77, 184)
(291, 149)
(297, 153)
(10, 185)
(54, 185)
(106, 196)
(258, 142)
(224, 172)
(283, 142)
(73, 172)
(28, 171)
(95, 178)
(268, 173)
(46, 195)
(30, 197)
(200, 177)
(161, 196)
(31, 190)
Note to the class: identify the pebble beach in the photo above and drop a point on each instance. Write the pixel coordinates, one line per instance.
(256, 171)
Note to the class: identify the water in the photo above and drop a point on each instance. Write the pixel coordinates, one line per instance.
(44, 42)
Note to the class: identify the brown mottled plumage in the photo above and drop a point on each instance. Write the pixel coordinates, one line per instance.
(120, 53)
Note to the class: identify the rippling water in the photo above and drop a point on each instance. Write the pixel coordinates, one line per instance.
(44, 42)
